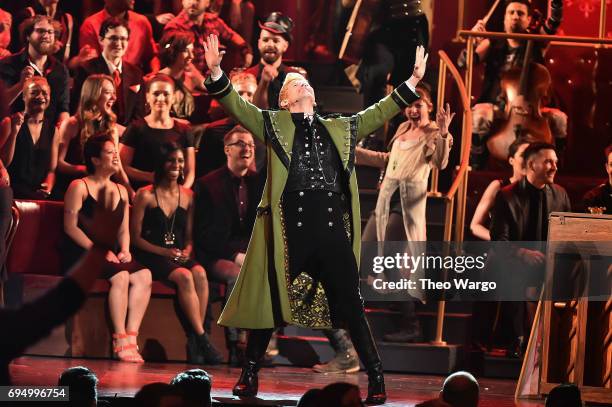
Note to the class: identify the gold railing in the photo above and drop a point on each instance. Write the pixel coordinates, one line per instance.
(458, 188)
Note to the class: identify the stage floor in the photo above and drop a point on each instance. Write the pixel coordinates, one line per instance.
(277, 385)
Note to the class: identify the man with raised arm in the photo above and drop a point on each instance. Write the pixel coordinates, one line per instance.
(301, 264)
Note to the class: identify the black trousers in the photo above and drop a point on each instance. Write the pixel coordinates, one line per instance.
(318, 244)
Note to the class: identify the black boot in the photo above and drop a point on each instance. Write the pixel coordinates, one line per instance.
(256, 347)
(248, 383)
(361, 335)
(194, 351)
(210, 354)
(376, 385)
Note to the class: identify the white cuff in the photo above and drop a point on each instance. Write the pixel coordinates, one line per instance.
(412, 88)
(216, 78)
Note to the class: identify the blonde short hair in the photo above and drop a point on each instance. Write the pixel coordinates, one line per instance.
(291, 77)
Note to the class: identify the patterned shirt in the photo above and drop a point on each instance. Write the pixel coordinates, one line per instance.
(211, 24)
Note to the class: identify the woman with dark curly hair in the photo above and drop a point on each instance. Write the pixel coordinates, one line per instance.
(130, 282)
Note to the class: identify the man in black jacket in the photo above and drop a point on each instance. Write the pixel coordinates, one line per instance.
(114, 36)
(600, 197)
(226, 206)
(520, 214)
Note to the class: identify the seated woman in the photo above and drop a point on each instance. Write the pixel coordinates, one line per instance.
(130, 282)
(142, 140)
(94, 116)
(176, 55)
(161, 230)
(480, 220)
(30, 151)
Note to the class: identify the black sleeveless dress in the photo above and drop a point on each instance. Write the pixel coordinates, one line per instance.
(154, 226)
(72, 252)
(31, 161)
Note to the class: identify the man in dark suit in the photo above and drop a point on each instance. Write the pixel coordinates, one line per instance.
(521, 214)
(114, 35)
(226, 206)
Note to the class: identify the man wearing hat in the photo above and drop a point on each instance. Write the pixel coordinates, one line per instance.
(274, 39)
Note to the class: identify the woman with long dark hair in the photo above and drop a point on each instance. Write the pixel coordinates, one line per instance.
(141, 143)
(161, 230)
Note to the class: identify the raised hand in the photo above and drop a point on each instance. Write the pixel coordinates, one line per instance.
(443, 119)
(212, 55)
(420, 63)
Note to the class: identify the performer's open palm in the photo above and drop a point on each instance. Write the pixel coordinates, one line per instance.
(420, 62)
(211, 52)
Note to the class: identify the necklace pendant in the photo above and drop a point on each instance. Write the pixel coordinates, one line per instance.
(169, 238)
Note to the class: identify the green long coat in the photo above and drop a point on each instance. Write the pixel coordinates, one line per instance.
(263, 296)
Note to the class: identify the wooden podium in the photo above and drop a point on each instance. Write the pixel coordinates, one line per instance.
(577, 333)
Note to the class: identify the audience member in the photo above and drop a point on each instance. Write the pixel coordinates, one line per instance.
(114, 36)
(520, 213)
(161, 227)
(6, 22)
(460, 389)
(63, 23)
(194, 385)
(239, 14)
(141, 143)
(211, 154)
(82, 386)
(6, 200)
(599, 199)
(339, 394)
(35, 320)
(482, 214)
(195, 19)
(30, 151)
(309, 399)
(94, 117)
(274, 40)
(158, 395)
(36, 60)
(226, 207)
(141, 48)
(130, 282)
(564, 395)
(176, 57)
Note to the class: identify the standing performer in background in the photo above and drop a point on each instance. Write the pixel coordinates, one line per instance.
(300, 267)
(398, 28)
(500, 56)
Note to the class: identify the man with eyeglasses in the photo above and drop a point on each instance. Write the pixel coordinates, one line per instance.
(211, 153)
(114, 36)
(141, 48)
(36, 60)
(226, 206)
